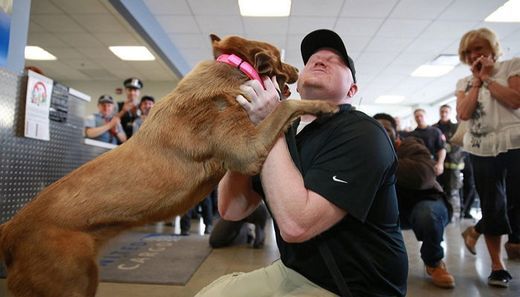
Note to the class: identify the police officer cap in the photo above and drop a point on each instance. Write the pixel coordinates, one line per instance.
(106, 99)
(133, 83)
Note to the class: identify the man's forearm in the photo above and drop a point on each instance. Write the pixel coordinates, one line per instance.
(441, 156)
(236, 197)
(94, 132)
(300, 213)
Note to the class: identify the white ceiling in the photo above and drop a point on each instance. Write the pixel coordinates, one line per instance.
(387, 39)
(78, 33)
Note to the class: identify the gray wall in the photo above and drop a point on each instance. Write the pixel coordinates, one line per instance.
(28, 165)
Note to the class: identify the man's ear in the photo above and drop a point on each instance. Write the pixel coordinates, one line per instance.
(286, 92)
(353, 90)
(264, 63)
(215, 45)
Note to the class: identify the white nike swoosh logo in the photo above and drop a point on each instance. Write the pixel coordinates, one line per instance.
(336, 179)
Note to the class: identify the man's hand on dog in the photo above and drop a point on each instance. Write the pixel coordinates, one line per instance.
(259, 102)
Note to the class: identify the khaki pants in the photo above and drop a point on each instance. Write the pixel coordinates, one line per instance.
(275, 280)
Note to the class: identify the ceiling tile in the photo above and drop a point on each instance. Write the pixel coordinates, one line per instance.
(80, 6)
(433, 46)
(44, 40)
(278, 40)
(96, 53)
(402, 28)
(80, 40)
(304, 25)
(178, 24)
(448, 29)
(35, 28)
(220, 25)
(368, 8)
(80, 64)
(419, 9)
(261, 25)
(470, 10)
(122, 38)
(214, 8)
(190, 40)
(358, 26)
(65, 53)
(316, 8)
(44, 6)
(383, 44)
(99, 23)
(171, 7)
(58, 23)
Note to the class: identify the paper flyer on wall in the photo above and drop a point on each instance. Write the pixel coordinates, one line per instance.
(38, 100)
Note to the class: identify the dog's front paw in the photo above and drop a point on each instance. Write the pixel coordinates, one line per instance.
(326, 108)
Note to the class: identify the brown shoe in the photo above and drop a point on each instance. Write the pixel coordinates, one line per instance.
(512, 250)
(440, 276)
(470, 239)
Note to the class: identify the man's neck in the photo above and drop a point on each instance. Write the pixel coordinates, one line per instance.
(423, 126)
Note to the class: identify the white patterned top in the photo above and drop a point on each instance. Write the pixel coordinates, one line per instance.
(493, 127)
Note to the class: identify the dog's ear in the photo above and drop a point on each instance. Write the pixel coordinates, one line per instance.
(264, 63)
(215, 41)
(291, 72)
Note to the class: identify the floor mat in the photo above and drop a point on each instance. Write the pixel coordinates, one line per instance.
(151, 258)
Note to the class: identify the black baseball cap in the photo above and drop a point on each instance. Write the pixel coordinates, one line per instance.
(133, 83)
(147, 98)
(105, 99)
(324, 38)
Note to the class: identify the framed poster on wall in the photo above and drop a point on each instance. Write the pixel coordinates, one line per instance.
(37, 104)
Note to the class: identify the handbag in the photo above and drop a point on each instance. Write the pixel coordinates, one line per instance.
(458, 137)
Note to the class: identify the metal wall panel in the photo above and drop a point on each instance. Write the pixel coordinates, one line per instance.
(29, 165)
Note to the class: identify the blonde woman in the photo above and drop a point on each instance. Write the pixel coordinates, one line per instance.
(490, 99)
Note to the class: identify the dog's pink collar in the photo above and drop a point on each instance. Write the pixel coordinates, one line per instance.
(245, 67)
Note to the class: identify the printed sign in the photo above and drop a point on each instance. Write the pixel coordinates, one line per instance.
(38, 101)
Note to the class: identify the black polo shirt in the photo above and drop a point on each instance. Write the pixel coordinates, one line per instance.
(432, 138)
(349, 159)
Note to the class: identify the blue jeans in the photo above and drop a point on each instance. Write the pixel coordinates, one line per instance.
(427, 219)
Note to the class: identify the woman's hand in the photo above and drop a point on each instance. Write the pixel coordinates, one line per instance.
(259, 102)
(482, 67)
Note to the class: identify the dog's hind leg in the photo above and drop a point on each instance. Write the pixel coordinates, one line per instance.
(63, 264)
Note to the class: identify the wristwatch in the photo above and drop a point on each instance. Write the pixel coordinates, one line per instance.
(486, 82)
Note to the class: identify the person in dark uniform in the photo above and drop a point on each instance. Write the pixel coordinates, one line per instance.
(128, 109)
(453, 164)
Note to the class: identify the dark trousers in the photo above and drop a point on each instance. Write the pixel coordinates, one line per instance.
(498, 185)
(227, 233)
(469, 190)
(207, 214)
(427, 219)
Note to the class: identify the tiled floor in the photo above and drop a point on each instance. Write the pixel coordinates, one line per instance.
(470, 271)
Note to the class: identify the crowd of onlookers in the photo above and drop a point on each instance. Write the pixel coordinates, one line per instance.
(117, 123)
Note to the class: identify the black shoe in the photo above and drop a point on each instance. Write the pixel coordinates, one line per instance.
(185, 232)
(208, 229)
(499, 278)
(259, 237)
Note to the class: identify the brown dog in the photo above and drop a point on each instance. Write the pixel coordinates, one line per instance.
(190, 139)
